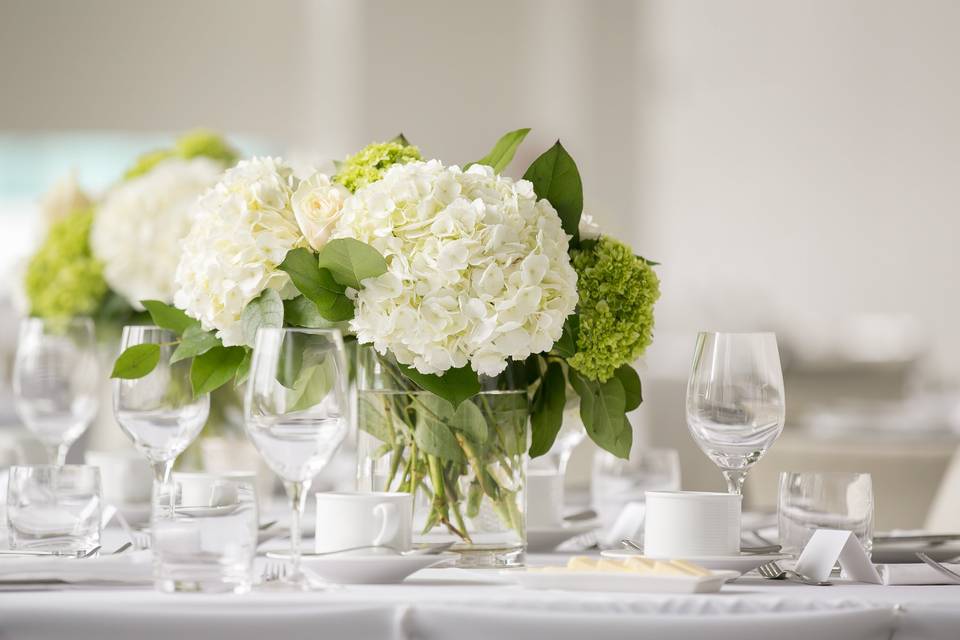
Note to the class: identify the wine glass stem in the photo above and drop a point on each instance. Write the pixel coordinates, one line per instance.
(734, 480)
(297, 492)
(161, 476)
(57, 453)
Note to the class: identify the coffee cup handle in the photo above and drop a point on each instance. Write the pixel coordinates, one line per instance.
(389, 522)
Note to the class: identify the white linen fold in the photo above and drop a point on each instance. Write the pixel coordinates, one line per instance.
(133, 567)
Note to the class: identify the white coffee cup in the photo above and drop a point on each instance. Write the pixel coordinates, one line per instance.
(349, 520)
(124, 475)
(684, 524)
(544, 493)
(210, 489)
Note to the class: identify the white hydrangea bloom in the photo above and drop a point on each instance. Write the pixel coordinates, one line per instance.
(243, 229)
(137, 229)
(478, 268)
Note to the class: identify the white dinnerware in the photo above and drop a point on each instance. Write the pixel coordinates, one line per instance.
(159, 412)
(125, 476)
(204, 534)
(735, 401)
(54, 508)
(352, 520)
(296, 413)
(536, 578)
(685, 524)
(55, 381)
(372, 568)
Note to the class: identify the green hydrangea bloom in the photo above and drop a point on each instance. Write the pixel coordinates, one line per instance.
(617, 292)
(63, 279)
(370, 163)
(192, 144)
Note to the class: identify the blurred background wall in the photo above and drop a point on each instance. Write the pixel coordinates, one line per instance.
(792, 165)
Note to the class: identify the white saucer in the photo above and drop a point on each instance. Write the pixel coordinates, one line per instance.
(741, 563)
(369, 569)
(624, 582)
(546, 539)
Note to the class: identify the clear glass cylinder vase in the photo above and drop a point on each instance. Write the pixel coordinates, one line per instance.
(466, 466)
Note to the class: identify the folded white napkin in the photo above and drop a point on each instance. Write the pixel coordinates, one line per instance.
(129, 567)
(919, 573)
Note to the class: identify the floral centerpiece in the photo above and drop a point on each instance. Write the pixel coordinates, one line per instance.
(475, 296)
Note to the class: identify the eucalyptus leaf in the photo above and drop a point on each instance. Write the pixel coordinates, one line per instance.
(435, 438)
(602, 409)
(194, 342)
(351, 261)
(168, 317)
(547, 411)
(632, 390)
(503, 151)
(215, 368)
(454, 386)
(566, 346)
(136, 361)
(555, 177)
(264, 311)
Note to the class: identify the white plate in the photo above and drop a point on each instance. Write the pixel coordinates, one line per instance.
(742, 563)
(546, 539)
(370, 569)
(626, 582)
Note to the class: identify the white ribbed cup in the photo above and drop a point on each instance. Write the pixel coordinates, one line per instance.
(683, 524)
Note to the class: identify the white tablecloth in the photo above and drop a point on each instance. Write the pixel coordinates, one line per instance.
(464, 605)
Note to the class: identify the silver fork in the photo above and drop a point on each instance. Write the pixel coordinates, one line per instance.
(274, 572)
(953, 575)
(773, 571)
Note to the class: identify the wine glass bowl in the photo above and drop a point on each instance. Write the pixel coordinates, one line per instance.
(55, 381)
(159, 411)
(295, 412)
(735, 403)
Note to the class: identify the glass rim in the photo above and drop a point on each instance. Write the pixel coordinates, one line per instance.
(825, 474)
(737, 333)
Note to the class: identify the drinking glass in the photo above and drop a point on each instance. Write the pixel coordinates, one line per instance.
(204, 533)
(295, 411)
(159, 411)
(824, 500)
(54, 507)
(735, 400)
(55, 379)
(616, 482)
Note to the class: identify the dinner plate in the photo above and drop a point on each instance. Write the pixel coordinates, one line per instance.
(741, 563)
(369, 569)
(546, 539)
(611, 581)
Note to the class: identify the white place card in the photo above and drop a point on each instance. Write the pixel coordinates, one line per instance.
(828, 546)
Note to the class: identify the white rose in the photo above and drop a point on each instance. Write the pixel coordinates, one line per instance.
(589, 229)
(317, 205)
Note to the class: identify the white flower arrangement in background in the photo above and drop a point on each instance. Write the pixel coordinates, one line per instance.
(478, 268)
(243, 228)
(141, 222)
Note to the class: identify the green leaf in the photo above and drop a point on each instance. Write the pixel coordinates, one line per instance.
(630, 379)
(454, 386)
(566, 346)
(555, 177)
(303, 312)
(402, 139)
(194, 342)
(168, 317)
(467, 418)
(317, 285)
(435, 438)
(266, 310)
(136, 361)
(372, 416)
(243, 370)
(312, 385)
(547, 411)
(351, 261)
(215, 368)
(502, 153)
(602, 408)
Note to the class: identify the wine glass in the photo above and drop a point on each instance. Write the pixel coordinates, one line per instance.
(295, 412)
(735, 401)
(159, 411)
(55, 381)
